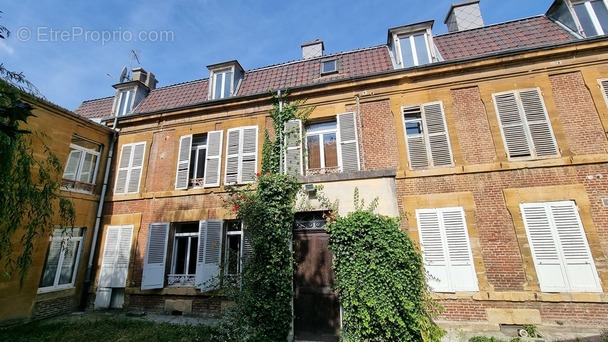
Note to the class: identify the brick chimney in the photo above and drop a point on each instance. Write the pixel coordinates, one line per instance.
(463, 16)
(146, 78)
(313, 49)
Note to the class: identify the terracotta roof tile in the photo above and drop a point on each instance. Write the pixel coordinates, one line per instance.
(523, 33)
(173, 96)
(99, 108)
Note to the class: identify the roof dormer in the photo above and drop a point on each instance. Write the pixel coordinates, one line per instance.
(588, 18)
(224, 79)
(131, 90)
(412, 45)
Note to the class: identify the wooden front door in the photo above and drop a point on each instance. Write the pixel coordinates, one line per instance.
(316, 307)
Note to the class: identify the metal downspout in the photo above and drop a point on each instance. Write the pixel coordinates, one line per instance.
(104, 188)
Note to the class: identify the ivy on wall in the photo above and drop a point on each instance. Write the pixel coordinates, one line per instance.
(380, 279)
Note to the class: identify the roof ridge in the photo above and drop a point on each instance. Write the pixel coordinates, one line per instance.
(490, 26)
(314, 58)
(98, 99)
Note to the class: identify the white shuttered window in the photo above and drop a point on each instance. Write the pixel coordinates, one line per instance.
(559, 247)
(116, 255)
(446, 249)
(130, 168)
(156, 255)
(525, 124)
(426, 136)
(199, 159)
(241, 155)
(293, 147)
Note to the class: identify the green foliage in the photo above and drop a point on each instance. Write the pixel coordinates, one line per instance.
(484, 339)
(379, 279)
(531, 329)
(262, 310)
(271, 151)
(29, 189)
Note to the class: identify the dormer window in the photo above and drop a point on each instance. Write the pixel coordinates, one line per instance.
(222, 84)
(124, 102)
(329, 67)
(592, 16)
(224, 79)
(414, 50)
(412, 45)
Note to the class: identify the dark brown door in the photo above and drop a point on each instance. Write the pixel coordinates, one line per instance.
(316, 308)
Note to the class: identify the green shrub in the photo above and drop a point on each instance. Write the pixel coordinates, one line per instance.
(379, 279)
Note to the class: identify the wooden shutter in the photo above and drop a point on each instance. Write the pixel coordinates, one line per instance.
(446, 249)
(123, 169)
(436, 133)
(123, 255)
(538, 123)
(559, 247)
(247, 246)
(183, 162)
(110, 250)
(604, 87)
(214, 158)
(416, 144)
(293, 147)
(349, 148)
(249, 154)
(137, 164)
(116, 255)
(513, 131)
(232, 156)
(209, 254)
(156, 255)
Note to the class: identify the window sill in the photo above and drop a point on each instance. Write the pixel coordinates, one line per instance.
(352, 175)
(52, 289)
(80, 187)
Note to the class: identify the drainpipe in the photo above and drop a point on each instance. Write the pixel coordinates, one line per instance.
(280, 134)
(104, 188)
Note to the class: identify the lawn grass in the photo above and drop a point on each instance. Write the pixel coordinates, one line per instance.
(91, 328)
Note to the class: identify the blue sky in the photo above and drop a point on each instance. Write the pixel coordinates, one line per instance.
(68, 48)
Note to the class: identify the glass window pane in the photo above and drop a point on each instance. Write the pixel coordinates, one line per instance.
(233, 256)
(322, 126)
(601, 13)
(585, 19)
(200, 163)
(227, 84)
(51, 264)
(193, 251)
(413, 128)
(69, 262)
(422, 50)
(71, 167)
(314, 152)
(88, 168)
(407, 56)
(218, 86)
(180, 254)
(330, 147)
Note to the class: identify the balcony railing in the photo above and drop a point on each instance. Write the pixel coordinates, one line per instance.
(72, 185)
(181, 279)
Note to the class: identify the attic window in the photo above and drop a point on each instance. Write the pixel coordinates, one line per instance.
(593, 16)
(222, 83)
(414, 49)
(124, 102)
(329, 67)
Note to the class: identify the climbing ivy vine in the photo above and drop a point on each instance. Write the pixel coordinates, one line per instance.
(380, 280)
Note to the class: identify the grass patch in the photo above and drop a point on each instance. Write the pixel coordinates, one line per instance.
(91, 328)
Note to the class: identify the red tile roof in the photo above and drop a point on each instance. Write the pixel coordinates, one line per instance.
(99, 108)
(524, 33)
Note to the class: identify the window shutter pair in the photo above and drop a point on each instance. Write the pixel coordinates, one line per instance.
(208, 256)
(432, 146)
(116, 255)
(446, 249)
(241, 155)
(130, 168)
(347, 136)
(559, 247)
(212, 162)
(525, 124)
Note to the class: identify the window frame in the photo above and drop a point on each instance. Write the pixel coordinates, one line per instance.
(58, 236)
(125, 101)
(425, 134)
(399, 37)
(321, 133)
(195, 182)
(333, 62)
(78, 171)
(222, 72)
(182, 279)
(240, 155)
(597, 25)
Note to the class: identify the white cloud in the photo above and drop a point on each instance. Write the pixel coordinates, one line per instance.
(5, 48)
